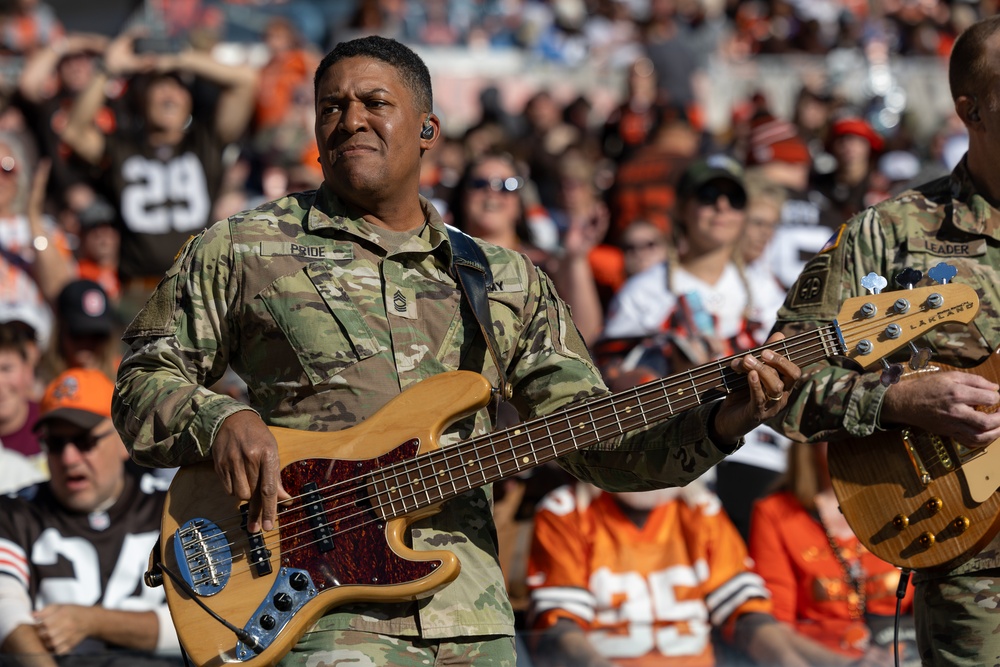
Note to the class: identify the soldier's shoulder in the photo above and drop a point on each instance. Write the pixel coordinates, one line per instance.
(291, 209)
(506, 264)
(499, 255)
(928, 196)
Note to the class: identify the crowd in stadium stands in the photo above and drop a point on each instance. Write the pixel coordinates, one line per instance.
(673, 244)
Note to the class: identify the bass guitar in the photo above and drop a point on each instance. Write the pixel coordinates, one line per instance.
(247, 598)
(917, 499)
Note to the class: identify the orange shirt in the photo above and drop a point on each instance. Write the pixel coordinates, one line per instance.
(807, 582)
(105, 276)
(278, 80)
(645, 596)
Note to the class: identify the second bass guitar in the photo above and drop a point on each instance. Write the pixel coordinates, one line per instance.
(916, 499)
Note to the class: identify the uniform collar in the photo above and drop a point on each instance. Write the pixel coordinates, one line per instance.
(976, 216)
(329, 213)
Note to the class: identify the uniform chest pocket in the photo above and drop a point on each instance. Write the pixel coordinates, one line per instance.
(320, 322)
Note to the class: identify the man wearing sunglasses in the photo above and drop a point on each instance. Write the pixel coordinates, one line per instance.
(72, 550)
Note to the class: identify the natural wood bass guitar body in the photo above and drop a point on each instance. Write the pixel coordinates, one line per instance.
(916, 499)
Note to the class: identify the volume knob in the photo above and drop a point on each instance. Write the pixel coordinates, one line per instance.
(282, 601)
(299, 581)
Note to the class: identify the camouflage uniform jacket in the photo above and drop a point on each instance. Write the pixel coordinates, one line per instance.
(325, 326)
(942, 221)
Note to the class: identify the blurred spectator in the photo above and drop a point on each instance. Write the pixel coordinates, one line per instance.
(583, 220)
(577, 114)
(493, 114)
(100, 241)
(764, 203)
(283, 153)
(88, 331)
(612, 34)
(644, 184)
(697, 306)
(630, 579)
(436, 27)
(487, 204)
(669, 46)
(643, 245)
(823, 582)
(701, 296)
(742, 118)
(578, 197)
(811, 117)
(19, 356)
(777, 152)
(35, 258)
(946, 148)
(101, 521)
(26, 25)
(630, 124)
(166, 174)
(855, 145)
(374, 17)
(589, 287)
(440, 171)
(289, 67)
(546, 138)
(245, 19)
(52, 78)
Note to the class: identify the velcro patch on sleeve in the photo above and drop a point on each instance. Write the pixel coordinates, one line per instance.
(834, 240)
(808, 289)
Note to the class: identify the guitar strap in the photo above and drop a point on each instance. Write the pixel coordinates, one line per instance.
(472, 272)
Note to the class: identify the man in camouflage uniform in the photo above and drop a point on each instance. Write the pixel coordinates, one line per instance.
(955, 220)
(328, 304)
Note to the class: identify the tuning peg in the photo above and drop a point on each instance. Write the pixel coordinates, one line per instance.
(942, 272)
(890, 373)
(919, 357)
(874, 283)
(908, 278)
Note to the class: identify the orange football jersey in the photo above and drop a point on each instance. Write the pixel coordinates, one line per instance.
(645, 596)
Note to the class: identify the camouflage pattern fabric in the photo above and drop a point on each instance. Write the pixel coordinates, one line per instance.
(958, 620)
(362, 649)
(326, 326)
(945, 220)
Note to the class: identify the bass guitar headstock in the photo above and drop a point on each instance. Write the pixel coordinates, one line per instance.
(876, 324)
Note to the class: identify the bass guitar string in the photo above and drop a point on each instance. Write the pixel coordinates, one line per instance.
(450, 453)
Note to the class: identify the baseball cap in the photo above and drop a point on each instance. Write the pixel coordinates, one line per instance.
(98, 212)
(81, 396)
(708, 169)
(775, 140)
(84, 309)
(859, 127)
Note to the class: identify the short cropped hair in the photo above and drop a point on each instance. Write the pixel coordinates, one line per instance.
(969, 70)
(411, 68)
